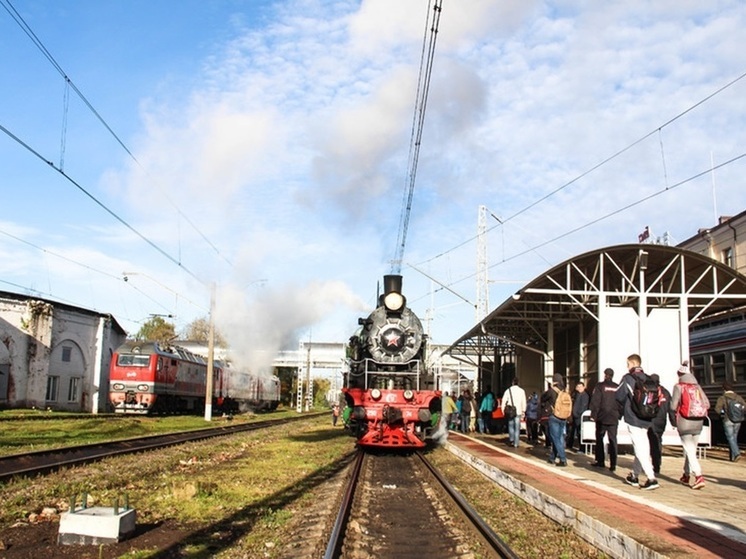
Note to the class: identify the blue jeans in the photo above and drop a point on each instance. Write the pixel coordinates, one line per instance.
(557, 436)
(514, 430)
(731, 433)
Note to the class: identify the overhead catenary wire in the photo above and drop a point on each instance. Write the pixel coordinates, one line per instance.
(599, 219)
(597, 166)
(69, 84)
(423, 87)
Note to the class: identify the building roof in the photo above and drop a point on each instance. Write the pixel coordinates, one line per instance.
(23, 298)
(570, 293)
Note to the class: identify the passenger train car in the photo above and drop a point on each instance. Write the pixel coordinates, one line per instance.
(717, 349)
(147, 378)
(390, 395)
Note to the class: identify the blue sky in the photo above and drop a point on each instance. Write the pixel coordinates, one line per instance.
(269, 145)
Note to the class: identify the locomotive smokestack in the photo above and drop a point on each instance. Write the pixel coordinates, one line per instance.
(392, 283)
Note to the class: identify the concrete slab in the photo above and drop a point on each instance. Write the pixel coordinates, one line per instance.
(96, 525)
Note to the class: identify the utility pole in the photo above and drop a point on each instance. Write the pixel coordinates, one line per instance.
(210, 356)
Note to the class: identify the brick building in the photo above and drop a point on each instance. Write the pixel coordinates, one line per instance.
(54, 355)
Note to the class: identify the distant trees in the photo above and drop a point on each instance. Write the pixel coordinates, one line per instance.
(157, 329)
(198, 330)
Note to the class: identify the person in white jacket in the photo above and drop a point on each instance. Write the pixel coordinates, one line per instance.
(514, 396)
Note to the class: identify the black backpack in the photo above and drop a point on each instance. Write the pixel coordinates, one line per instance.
(646, 397)
(734, 410)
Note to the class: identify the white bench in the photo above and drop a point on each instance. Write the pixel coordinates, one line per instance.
(670, 435)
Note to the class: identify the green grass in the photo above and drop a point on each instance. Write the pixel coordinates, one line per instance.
(20, 434)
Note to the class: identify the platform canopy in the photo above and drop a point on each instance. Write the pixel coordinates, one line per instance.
(643, 277)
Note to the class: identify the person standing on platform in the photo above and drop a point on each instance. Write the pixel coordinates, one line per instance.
(486, 407)
(449, 410)
(579, 404)
(474, 419)
(637, 426)
(532, 418)
(545, 410)
(685, 393)
(730, 407)
(514, 397)
(658, 427)
(605, 412)
(465, 410)
(557, 426)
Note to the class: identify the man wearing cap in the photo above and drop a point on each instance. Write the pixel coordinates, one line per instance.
(637, 426)
(605, 411)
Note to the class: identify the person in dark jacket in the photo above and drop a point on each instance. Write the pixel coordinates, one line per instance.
(580, 403)
(658, 426)
(637, 426)
(605, 412)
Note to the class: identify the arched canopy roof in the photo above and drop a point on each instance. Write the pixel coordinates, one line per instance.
(615, 276)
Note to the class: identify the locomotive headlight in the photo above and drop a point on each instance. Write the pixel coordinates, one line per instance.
(117, 386)
(394, 301)
(408, 395)
(142, 387)
(375, 394)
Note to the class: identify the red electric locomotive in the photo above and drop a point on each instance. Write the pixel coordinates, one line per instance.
(390, 393)
(145, 377)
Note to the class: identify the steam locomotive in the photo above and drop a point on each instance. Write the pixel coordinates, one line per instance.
(147, 378)
(390, 395)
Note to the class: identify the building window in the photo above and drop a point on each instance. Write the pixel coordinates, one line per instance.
(739, 364)
(66, 354)
(72, 390)
(728, 257)
(53, 386)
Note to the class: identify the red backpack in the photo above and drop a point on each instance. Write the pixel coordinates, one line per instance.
(692, 404)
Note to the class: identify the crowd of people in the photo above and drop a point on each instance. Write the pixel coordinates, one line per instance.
(639, 399)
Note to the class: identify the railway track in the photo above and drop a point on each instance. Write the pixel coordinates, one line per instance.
(44, 461)
(400, 506)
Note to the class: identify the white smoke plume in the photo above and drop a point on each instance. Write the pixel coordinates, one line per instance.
(273, 320)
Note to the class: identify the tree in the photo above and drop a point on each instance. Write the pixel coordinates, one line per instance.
(156, 329)
(198, 330)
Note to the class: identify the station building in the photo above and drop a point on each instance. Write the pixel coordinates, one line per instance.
(55, 356)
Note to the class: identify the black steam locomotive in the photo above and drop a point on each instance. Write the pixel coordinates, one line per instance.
(390, 394)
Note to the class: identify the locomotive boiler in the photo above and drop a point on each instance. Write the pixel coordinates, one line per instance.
(390, 395)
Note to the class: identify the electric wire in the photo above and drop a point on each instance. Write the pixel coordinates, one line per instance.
(594, 221)
(603, 162)
(7, 4)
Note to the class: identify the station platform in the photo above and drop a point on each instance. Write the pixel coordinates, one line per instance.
(624, 521)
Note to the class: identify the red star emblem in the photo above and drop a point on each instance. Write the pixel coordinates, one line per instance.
(392, 339)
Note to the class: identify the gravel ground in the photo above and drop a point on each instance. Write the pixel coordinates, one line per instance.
(239, 497)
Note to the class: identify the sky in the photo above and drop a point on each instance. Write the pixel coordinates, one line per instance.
(154, 154)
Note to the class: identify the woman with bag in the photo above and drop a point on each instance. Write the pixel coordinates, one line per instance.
(689, 405)
(514, 406)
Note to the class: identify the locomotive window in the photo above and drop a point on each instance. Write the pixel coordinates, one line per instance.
(132, 360)
(718, 367)
(160, 363)
(739, 364)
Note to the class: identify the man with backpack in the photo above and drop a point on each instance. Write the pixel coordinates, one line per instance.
(637, 394)
(561, 406)
(689, 405)
(731, 407)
